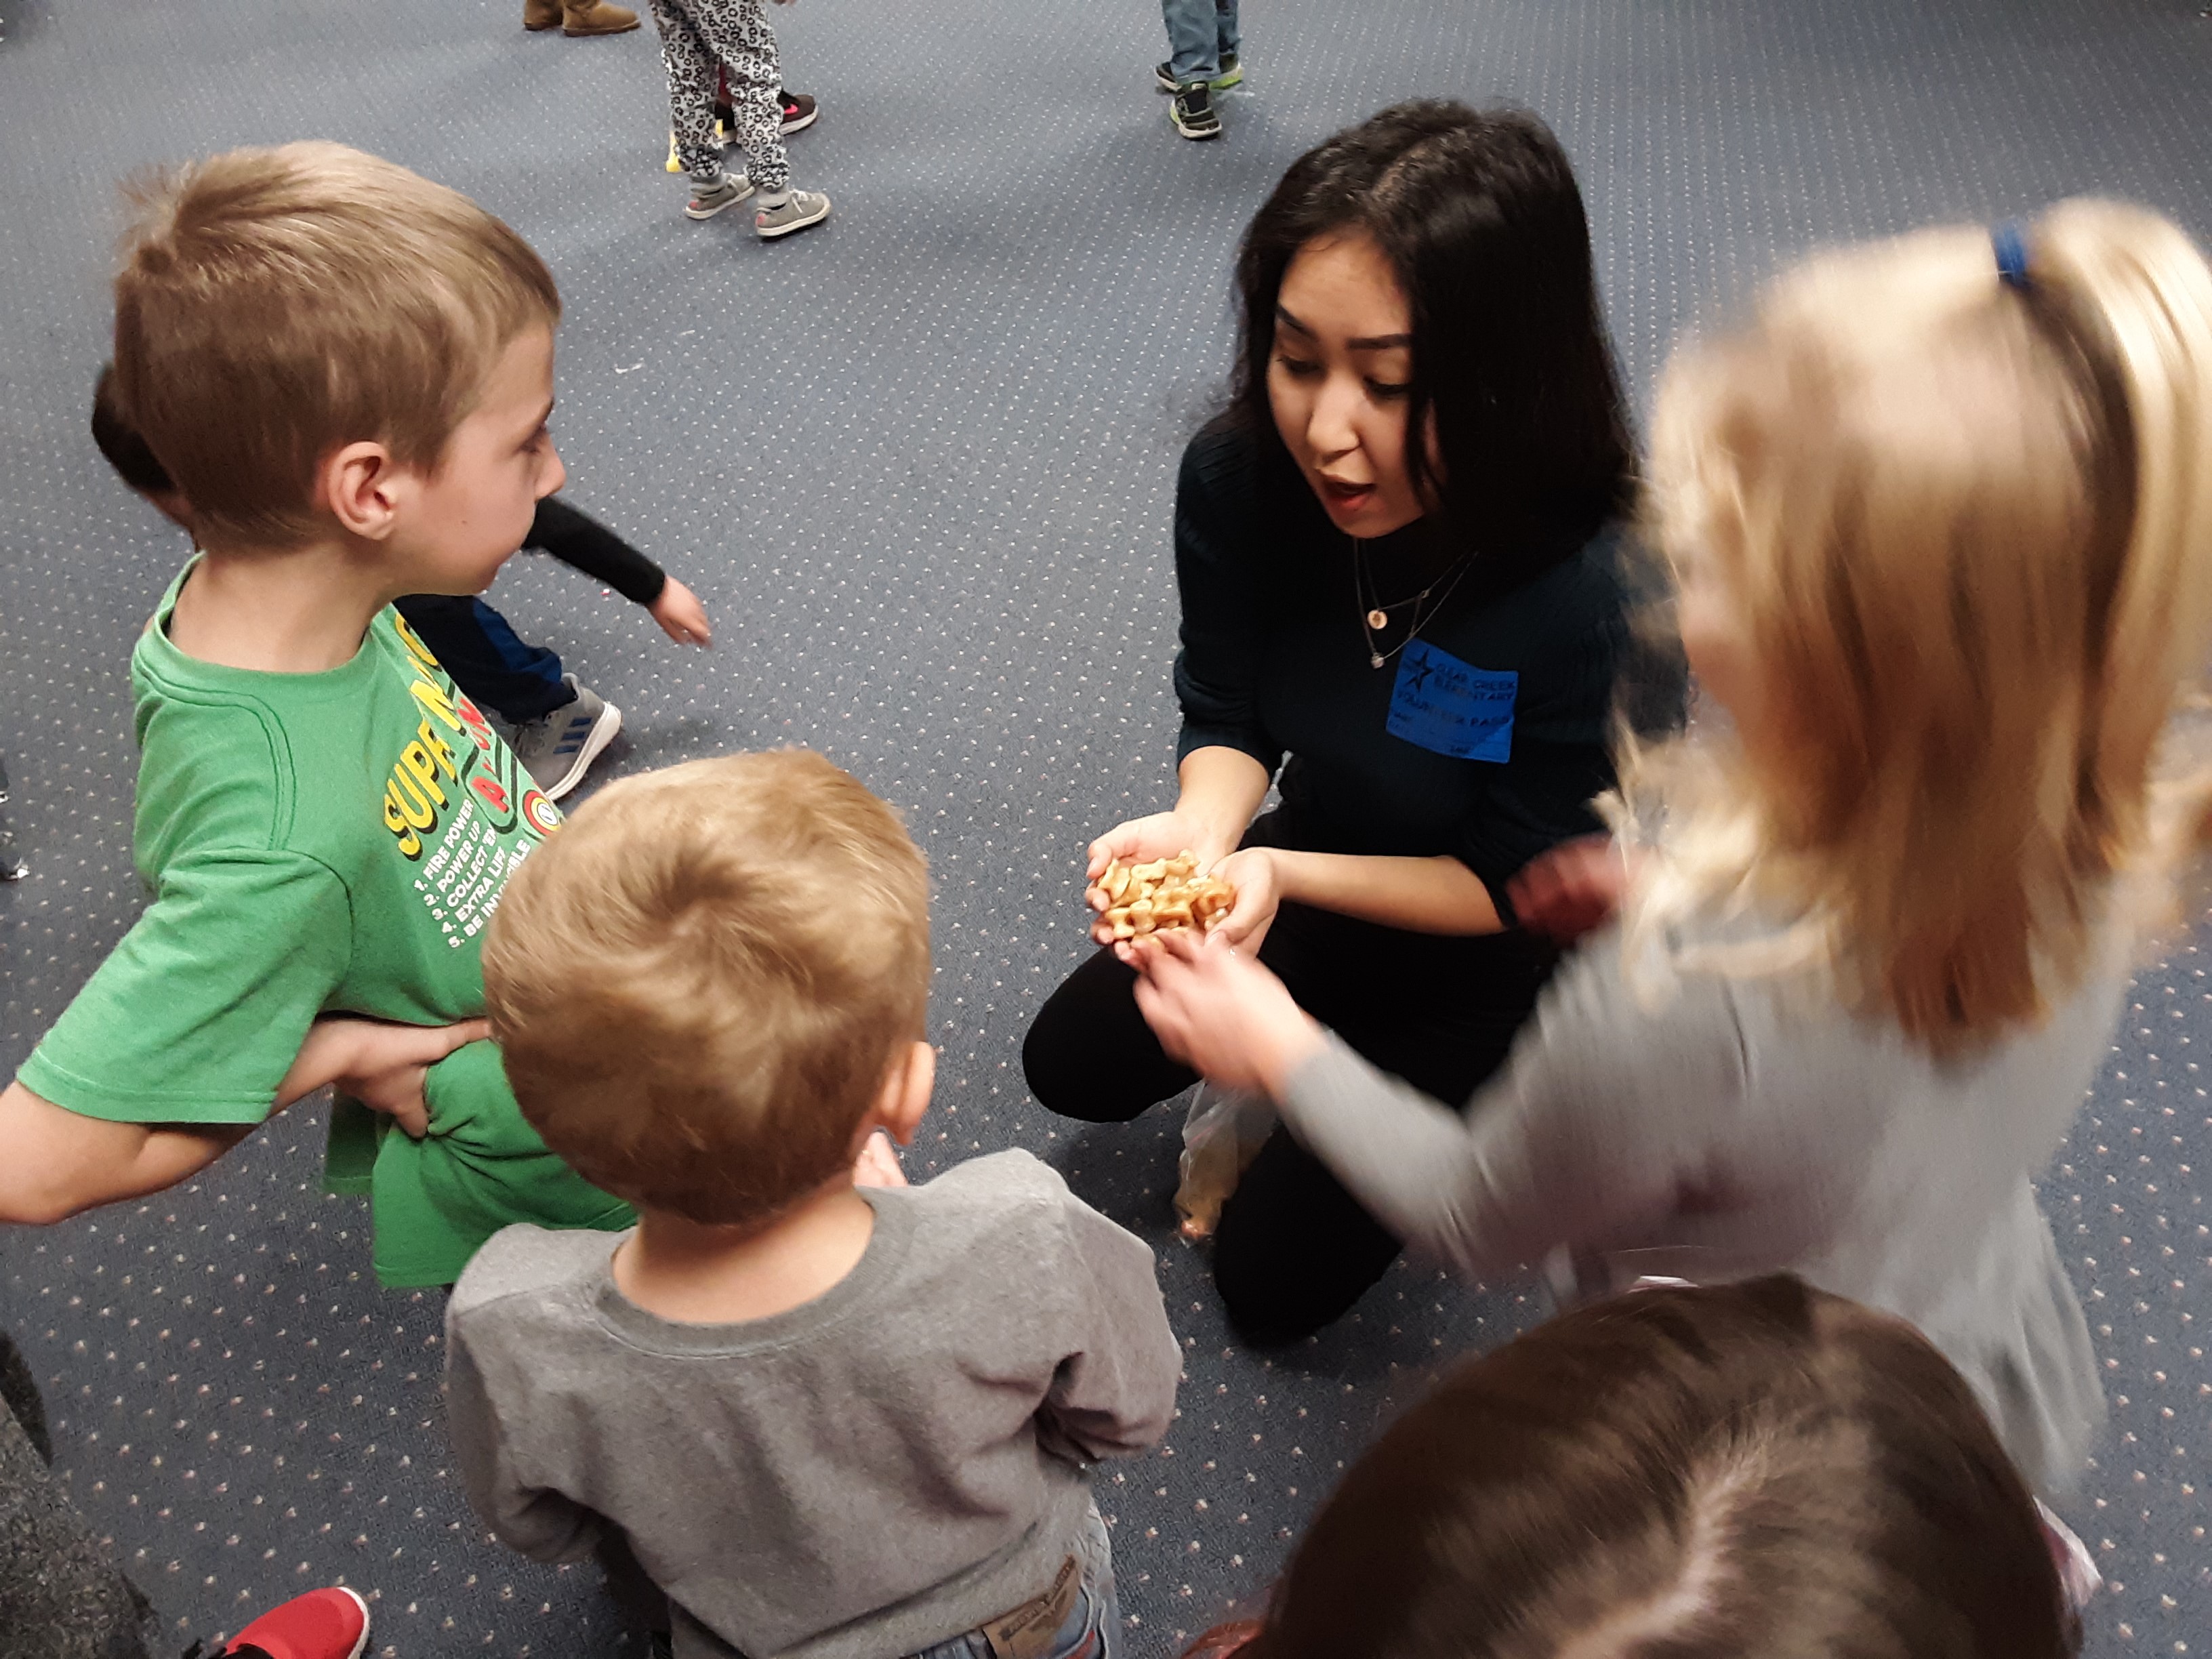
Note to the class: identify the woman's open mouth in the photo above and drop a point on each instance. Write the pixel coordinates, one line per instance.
(1345, 497)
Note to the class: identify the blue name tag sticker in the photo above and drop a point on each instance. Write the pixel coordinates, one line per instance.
(1452, 708)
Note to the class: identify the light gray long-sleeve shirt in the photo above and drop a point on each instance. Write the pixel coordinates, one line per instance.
(1738, 1125)
(896, 1462)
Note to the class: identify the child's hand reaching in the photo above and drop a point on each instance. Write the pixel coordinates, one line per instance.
(1573, 890)
(1221, 1013)
(681, 617)
(378, 1063)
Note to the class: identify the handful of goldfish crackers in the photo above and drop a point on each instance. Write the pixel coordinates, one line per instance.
(1164, 894)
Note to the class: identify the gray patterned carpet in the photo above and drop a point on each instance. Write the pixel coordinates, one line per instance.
(918, 463)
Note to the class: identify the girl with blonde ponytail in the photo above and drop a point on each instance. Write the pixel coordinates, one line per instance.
(1963, 529)
(1941, 518)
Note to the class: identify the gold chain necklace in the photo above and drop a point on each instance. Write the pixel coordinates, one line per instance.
(1375, 618)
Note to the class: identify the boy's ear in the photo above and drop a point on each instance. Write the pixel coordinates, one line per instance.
(906, 1091)
(360, 485)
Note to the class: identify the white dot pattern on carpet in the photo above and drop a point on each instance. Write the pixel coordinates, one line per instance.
(918, 464)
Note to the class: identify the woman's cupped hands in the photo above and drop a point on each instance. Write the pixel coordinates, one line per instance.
(1252, 872)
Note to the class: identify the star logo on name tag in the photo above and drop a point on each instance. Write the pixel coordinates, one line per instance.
(1452, 708)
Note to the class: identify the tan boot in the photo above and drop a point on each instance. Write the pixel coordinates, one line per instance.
(541, 14)
(596, 17)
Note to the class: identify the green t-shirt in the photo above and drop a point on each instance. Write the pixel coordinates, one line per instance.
(320, 843)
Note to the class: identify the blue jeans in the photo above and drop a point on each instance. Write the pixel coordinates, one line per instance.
(1201, 33)
(1093, 1630)
(517, 682)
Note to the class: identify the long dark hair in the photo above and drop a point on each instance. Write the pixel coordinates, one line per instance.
(1478, 214)
(1708, 1474)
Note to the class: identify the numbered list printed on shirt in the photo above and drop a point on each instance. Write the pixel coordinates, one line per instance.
(1452, 708)
(462, 882)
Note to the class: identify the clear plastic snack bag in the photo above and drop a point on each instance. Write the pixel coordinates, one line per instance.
(1222, 1133)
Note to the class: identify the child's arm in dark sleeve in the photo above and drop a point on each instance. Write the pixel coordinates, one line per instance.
(584, 543)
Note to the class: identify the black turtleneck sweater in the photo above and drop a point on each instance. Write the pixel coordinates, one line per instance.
(1486, 739)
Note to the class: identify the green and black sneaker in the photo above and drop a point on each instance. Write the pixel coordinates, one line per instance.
(1231, 74)
(1192, 111)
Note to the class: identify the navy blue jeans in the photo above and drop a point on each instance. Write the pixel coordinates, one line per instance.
(499, 674)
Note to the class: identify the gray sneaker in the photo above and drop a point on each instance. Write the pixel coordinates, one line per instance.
(558, 749)
(706, 204)
(804, 208)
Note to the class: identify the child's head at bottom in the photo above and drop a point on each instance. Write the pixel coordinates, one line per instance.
(1717, 1473)
(709, 987)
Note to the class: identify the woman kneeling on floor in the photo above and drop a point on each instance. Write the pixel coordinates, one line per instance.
(1431, 633)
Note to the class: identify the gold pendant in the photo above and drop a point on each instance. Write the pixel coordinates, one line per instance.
(1378, 619)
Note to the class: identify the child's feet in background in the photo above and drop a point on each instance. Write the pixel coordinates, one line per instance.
(708, 199)
(795, 211)
(1192, 111)
(1231, 74)
(558, 749)
(324, 1624)
(798, 113)
(579, 17)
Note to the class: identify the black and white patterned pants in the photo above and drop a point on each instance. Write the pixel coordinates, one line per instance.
(697, 37)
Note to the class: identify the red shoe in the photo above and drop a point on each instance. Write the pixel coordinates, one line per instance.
(324, 1624)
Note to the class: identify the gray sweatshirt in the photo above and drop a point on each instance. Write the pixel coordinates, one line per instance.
(1749, 1125)
(894, 1463)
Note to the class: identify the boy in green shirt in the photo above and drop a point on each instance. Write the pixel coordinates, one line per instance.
(347, 371)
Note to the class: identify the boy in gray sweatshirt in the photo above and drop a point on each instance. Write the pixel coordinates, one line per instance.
(829, 1416)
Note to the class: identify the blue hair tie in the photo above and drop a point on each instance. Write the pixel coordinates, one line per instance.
(2009, 239)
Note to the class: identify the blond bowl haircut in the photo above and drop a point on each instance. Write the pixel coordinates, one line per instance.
(274, 305)
(701, 983)
(1967, 530)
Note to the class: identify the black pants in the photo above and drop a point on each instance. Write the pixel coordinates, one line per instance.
(60, 1591)
(517, 682)
(1294, 1250)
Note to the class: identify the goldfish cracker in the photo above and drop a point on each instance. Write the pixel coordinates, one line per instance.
(1162, 895)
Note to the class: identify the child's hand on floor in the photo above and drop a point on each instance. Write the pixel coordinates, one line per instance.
(379, 1063)
(681, 617)
(1220, 1013)
(877, 1164)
